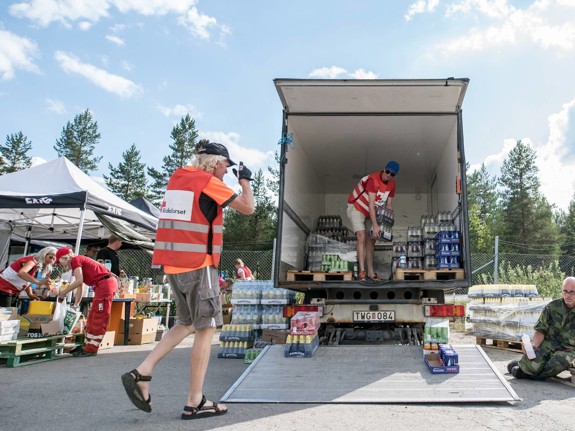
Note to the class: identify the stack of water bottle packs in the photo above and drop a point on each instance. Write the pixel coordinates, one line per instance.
(385, 219)
(504, 311)
(435, 244)
(302, 341)
(235, 340)
(330, 247)
(260, 304)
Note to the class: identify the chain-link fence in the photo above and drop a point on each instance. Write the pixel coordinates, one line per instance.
(524, 268)
(137, 262)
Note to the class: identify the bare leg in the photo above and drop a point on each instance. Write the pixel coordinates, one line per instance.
(172, 338)
(361, 236)
(199, 359)
(369, 249)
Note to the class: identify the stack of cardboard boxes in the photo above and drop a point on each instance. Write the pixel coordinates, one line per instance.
(142, 331)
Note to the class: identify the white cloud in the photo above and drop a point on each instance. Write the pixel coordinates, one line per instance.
(555, 159)
(155, 7)
(197, 23)
(420, 6)
(335, 72)
(252, 158)
(45, 12)
(126, 66)
(115, 39)
(327, 72)
(89, 12)
(113, 83)
(362, 74)
(16, 52)
(56, 106)
(549, 24)
(179, 111)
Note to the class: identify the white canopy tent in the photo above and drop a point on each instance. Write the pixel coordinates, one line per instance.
(57, 201)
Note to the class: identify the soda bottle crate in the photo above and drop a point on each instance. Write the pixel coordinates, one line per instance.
(233, 349)
(447, 249)
(237, 333)
(448, 236)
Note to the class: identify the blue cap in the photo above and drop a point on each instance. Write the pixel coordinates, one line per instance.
(392, 166)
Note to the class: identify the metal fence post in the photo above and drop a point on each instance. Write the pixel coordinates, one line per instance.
(496, 260)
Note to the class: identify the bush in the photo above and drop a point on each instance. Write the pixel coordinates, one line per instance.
(548, 280)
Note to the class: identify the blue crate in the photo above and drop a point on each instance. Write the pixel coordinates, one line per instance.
(448, 236)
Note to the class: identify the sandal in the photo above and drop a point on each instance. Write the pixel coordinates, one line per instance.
(375, 277)
(130, 381)
(362, 276)
(195, 411)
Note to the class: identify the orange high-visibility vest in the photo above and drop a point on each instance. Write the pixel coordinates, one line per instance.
(360, 198)
(182, 238)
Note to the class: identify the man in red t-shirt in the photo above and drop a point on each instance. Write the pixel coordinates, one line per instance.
(373, 190)
(104, 284)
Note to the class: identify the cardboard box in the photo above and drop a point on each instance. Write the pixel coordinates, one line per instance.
(41, 307)
(141, 326)
(436, 367)
(143, 297)
(37, 319)
(137, 339)
(276, 336)
(8, 313)
(227, 310)
(51, 328)
(108, 340)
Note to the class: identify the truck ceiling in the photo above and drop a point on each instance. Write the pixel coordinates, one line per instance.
(350, 128)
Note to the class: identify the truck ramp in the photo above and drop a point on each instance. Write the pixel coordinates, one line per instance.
(368, 374)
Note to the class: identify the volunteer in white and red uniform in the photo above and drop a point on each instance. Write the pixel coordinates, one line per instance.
(21, 274)
(104, 284)
(242, 271)
(373, 190)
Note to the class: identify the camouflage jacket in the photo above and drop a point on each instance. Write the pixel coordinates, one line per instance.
(557, 323)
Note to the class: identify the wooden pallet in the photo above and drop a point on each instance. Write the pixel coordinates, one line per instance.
(429, 274)
(514, 346)
(28, 351)
(318, 276)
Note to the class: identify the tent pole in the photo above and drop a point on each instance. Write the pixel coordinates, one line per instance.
(80, 228)
(27, 243)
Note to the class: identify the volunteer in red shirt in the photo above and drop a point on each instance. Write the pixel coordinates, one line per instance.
(104, 284)
(373, 190)
(188, 244)
(242, 271)
(21, 274)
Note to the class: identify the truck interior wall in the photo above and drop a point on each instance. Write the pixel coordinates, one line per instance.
(447, 172)
(303, 189)
(293, 241)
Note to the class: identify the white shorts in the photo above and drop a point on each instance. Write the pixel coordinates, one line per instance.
(358, 220)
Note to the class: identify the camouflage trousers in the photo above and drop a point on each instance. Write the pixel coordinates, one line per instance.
(547, 363)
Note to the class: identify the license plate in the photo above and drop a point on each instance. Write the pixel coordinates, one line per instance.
(374, 316)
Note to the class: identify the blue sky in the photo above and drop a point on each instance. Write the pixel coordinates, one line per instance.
(140, 65)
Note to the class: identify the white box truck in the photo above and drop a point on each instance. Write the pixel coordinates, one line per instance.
(334, 132)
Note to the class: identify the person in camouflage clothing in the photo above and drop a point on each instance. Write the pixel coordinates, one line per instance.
(554, 339)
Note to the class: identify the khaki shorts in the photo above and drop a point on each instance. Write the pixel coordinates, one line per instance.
(358, 220)
(197, 303)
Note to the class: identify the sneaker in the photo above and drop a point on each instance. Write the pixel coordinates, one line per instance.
(80, 353)
(518, 373)
(512, 364)
(362, 276)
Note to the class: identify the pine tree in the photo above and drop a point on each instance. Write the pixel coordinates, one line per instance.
(528, 217)
(568, 229)
(257, 231)
(184, 137)
(14, 155)
(483, 210)
(128, 179)
(78, 141)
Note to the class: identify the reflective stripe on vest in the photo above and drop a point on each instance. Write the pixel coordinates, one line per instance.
(184, 243)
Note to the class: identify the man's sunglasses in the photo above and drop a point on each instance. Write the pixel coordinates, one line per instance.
(388, 172)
